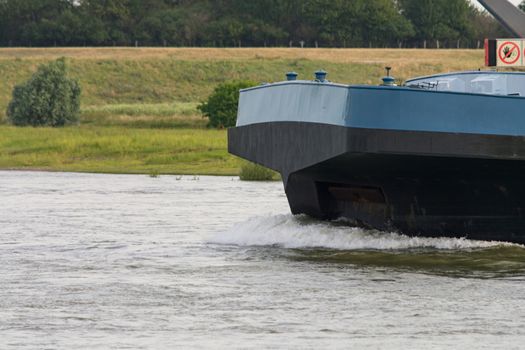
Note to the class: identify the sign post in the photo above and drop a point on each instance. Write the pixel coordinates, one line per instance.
(504, 52)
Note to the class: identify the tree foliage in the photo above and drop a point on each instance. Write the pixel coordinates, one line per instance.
(48, 98)
(221, 106)
(335, 23)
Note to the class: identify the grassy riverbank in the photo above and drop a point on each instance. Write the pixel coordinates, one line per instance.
(183, 75)
(113, 149)
(139, 105)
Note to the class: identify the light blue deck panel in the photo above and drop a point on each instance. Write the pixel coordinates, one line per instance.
(381, 107)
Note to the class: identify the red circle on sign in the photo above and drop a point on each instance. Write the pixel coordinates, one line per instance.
(503, 57)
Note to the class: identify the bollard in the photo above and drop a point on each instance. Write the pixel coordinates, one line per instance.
(320, 76)
(290, 76)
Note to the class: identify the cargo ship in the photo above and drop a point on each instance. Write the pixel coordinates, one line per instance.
(440, 156)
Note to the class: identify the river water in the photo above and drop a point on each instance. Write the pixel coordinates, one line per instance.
(134, 262)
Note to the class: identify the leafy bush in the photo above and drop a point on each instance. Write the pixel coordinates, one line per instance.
(255, 172)
(221, 106)
(49, 97)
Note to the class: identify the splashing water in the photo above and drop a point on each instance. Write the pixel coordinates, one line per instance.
(288, 231)
(306, 239)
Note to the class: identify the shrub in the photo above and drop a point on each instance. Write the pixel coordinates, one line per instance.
(49, 98)
(255, 172)
(221, 106)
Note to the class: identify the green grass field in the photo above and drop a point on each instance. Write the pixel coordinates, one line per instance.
(144, 115)
(175, 76)
(111, 149)
(138, 111)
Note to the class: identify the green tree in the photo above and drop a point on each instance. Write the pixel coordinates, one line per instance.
(48, 98)
(332, 23)
(221, 106)
(485, 26)
(112, 18)
(164, 27)
(358, 22)
(28, 22)
(438, 19)
(3, 21)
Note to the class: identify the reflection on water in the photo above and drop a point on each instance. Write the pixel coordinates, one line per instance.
(338, 243)
(493, 262)
(133, 262)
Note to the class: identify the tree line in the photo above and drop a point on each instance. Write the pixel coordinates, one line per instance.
(242, 23)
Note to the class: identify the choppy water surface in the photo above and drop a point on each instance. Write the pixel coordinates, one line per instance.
(133, 262)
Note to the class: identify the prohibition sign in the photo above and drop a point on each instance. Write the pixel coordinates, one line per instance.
(507, 51)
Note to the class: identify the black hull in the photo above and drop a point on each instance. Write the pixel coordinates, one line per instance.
(416, 183)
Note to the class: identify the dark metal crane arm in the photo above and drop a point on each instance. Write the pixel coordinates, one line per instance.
(512, 18)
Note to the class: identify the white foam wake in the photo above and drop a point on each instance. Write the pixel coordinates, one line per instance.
(290, 231)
